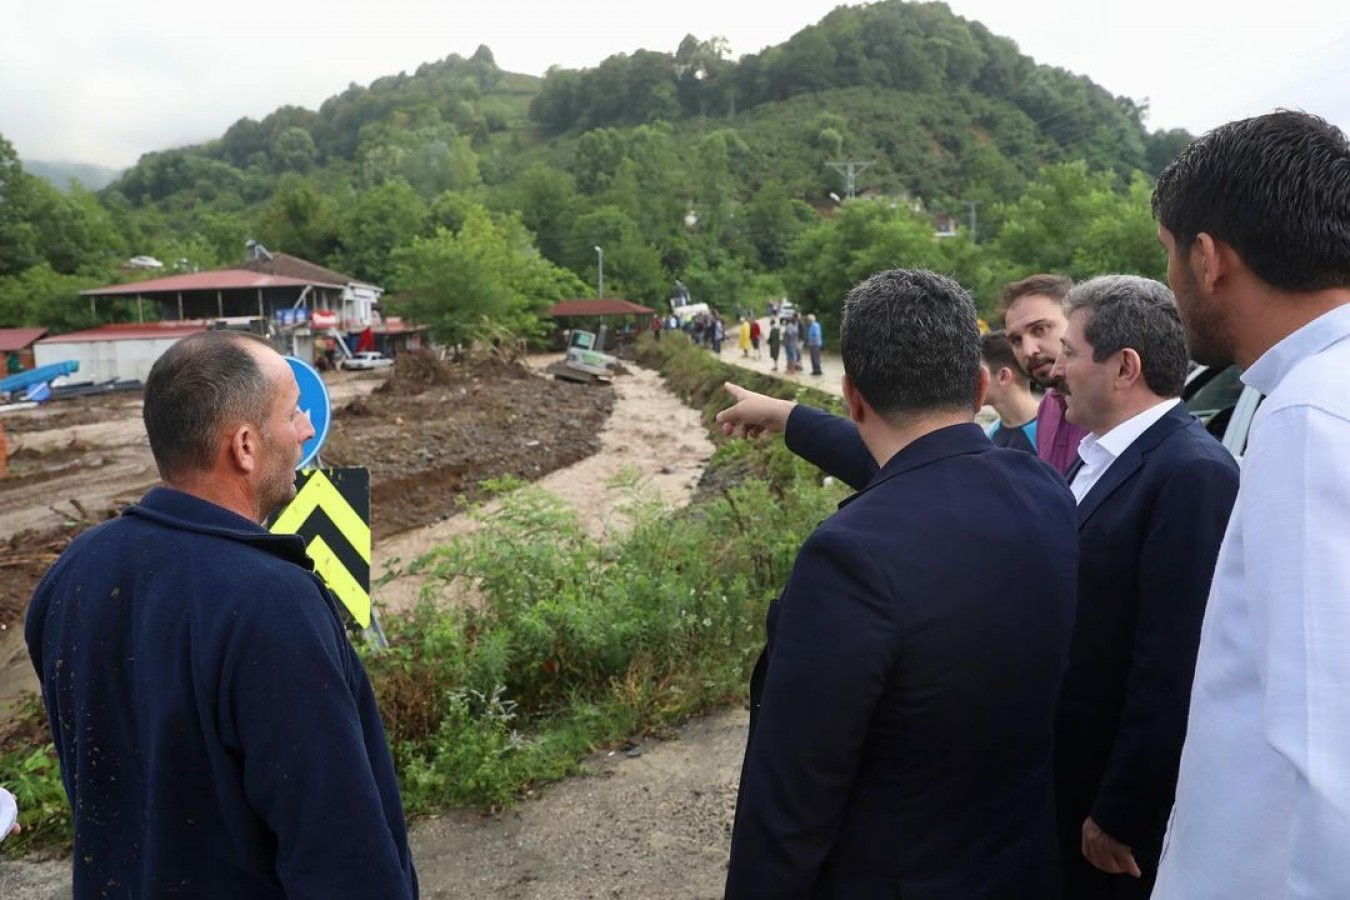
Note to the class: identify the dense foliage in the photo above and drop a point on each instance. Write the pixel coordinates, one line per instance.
(686, 165)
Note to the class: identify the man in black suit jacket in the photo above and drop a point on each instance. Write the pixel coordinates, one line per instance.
(903, 729)
(1154, 492)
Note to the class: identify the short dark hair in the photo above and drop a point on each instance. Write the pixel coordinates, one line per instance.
(997, 352)
(1275, 188)
(911, 343)
(202, 384)
(1138, 313)
(1053, 286)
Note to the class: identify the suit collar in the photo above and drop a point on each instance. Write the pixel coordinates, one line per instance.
(1129, 461)
(944, 443)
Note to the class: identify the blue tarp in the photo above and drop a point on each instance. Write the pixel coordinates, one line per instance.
(40, 375)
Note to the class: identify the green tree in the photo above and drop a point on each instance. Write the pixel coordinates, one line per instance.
(41, 296)
(546, 199)
(633, 267)
(484, 277)
(292, 150)
(383, 218)
(301, 219)
(19, 239)
(865, 238)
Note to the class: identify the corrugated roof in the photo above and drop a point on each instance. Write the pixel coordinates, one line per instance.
(127, 332)
(216, 280)
(597, 308)
(12, 339)
(288, 266)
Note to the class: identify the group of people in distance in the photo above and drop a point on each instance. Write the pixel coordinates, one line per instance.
(1143, 687)
(1118, 670)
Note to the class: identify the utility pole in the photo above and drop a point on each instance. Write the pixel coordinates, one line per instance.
(600, 272)
(849, 170)
(974, 219)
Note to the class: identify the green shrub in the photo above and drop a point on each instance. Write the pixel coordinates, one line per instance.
(29, 769)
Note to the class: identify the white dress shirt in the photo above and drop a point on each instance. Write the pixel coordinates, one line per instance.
(1263, 801)
(1097, 453)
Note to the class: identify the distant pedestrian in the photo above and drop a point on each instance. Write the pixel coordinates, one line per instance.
(743, 337)
(656, 327)
(791, 347)
(775, 341)
(719, 334)
(815, 342)
(754, 337)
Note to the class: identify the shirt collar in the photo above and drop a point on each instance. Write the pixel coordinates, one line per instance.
(1267, 372)
(1094, 449)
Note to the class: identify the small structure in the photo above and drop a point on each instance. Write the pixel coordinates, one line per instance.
(114, 351)
(298, 301)
(568, 312)
(16, 348)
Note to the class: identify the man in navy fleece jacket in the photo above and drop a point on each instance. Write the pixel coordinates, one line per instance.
(218, 735)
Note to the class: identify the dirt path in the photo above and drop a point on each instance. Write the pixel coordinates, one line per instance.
(831, 366)
(653, 827)
(651, 438)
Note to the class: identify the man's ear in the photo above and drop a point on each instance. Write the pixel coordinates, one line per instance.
(1131, 368)
(1210, 261)
(245, 444)
(1005, 376)
(982, 388)
(853, 400)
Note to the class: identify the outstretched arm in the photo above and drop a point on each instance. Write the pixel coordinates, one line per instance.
(827, 441)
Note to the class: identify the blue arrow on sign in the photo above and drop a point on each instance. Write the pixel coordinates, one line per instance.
(313, 403)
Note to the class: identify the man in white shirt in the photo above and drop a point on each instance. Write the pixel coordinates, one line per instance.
(1255, 217)
(1154, 491)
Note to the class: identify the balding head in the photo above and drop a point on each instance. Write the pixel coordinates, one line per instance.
(196, 391)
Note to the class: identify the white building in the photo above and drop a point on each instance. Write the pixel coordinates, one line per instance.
(113, 351)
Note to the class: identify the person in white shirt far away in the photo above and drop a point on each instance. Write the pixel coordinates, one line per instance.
(1255, 219)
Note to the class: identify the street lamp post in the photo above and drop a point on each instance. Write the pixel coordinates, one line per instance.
(600, 271)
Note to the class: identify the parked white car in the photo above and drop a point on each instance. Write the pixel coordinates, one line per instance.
(367, 359)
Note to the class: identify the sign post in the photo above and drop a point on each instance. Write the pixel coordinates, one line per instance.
(314, 403)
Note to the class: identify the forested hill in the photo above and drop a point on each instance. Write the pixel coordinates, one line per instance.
(684, 164)
(944, 109)
(948, 84)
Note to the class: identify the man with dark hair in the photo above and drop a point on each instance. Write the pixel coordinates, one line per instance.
(1033, 319)
(1255, 218)
(1154, 490)
(902, 713)
(1009, 394)
(218, 735)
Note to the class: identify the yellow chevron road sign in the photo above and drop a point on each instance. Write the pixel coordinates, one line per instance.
(331, 511)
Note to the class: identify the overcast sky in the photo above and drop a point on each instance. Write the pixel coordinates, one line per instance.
(103, 82)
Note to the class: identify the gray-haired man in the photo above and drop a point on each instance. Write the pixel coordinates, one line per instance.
(1154, 491)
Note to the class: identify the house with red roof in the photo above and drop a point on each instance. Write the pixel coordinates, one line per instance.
(304, 307)
(16, 344)
(123, 351)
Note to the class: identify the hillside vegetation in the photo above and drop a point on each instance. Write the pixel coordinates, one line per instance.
(479, 195)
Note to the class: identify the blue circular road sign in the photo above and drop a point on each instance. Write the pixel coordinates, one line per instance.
(313, 403)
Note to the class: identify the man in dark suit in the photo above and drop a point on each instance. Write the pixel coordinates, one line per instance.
(1154, 491)
(903, 729)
